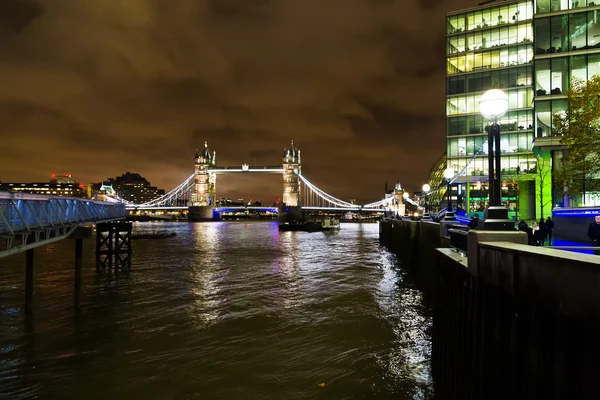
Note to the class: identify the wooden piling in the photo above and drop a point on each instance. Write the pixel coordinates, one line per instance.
(78, 265)
(29, 281)
(113, 245)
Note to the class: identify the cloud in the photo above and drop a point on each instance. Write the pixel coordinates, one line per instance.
(100, 88)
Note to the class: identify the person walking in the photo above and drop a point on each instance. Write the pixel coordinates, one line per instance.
(594, 233)
(536, 235)
(543, 232)
(549, 230)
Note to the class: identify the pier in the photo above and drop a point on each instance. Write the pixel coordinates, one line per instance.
(29, 221)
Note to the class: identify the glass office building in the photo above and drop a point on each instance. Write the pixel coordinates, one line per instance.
(531, 50)
(490, 46)
(567, 45)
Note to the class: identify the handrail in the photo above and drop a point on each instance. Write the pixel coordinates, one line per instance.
(458, 238)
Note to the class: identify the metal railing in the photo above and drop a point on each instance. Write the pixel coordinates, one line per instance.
(458, 237)
(31, 220)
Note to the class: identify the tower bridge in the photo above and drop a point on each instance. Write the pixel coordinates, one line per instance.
(198, 193)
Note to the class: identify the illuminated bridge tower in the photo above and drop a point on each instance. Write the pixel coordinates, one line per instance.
(204, 192)
(205, 187)
(291, 181)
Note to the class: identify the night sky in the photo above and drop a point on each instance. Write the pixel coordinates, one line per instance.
(96, 88)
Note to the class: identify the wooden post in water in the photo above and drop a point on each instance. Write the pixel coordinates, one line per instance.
(29, 281)
(78, 263)
(78, 235)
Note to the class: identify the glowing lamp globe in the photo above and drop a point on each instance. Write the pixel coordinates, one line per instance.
(426, 188)
(449, 173)
(405, 195)
(493, 104)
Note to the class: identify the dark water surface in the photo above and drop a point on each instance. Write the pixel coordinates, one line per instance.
(226, 310)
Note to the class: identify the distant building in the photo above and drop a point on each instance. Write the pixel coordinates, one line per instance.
(64, 185)
(130, 187)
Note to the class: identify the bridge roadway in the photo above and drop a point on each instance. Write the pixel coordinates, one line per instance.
(272, 209)
(32, 220)
(245, 168)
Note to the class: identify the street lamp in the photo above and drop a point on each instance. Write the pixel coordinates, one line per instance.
(493, 105)
(449, 174)
(426, 189)
(405, 196)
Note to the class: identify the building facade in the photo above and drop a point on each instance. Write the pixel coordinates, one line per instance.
(61, 185)
(531, 50)
(490, 46)
(567, 46)
(131, 187)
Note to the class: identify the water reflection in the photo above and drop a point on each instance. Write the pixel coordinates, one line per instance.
(222, 311)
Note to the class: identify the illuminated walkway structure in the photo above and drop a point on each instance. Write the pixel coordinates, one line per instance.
(31, 220)
(198, 191)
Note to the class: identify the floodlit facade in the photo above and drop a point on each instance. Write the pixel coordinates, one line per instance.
(567, 45)
(490, 46)
(500, 44)
(53, 188)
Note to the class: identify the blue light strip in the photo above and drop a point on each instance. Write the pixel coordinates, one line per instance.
(227, 209)
(576, 212)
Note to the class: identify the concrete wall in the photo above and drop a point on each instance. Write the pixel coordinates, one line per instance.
(526, 327)
(566, 281)
(523, 323)
(414, 243)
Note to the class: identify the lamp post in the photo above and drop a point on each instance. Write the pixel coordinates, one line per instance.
(405, 196)
(426, 189)
(493, 105)
(449, 174)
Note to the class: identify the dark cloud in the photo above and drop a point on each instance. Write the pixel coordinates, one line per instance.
(98, 88)
(16, 15)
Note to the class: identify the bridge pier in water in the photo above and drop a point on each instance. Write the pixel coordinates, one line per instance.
(78, 235)
(201, 214)
(289, 213)
(29, 263)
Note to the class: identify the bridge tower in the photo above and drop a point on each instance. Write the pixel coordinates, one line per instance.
(204, 192)
(292, 165)
(398, 207)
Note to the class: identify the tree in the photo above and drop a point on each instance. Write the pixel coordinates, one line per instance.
(579, 127)
(543, 194)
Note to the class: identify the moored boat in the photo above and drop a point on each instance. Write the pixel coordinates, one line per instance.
(153, 235)
(314, 224)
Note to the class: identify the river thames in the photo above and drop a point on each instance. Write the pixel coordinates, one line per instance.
(224, 310)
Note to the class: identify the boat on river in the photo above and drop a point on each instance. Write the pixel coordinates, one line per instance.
(153, 235)
(314, 224)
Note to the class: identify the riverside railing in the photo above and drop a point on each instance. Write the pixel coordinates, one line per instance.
(31, 220)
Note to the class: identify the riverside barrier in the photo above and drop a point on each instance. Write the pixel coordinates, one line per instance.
(511, 321)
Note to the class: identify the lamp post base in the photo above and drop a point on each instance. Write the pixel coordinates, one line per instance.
(449, 216)
(496, 219)
(426, 216)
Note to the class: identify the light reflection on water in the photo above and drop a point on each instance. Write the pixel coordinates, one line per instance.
(221, 311)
